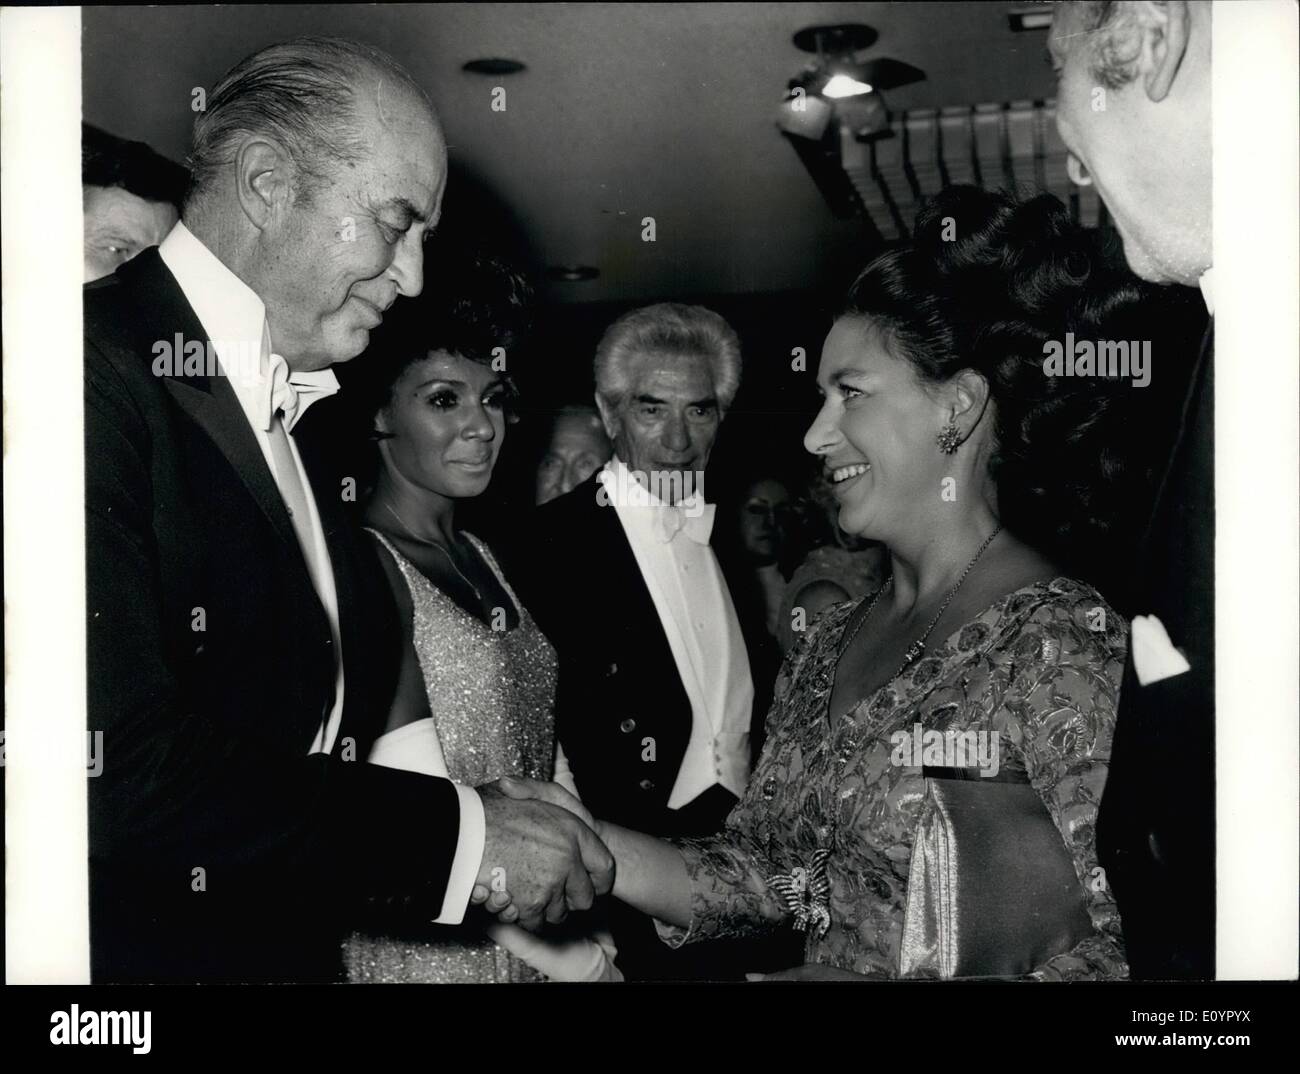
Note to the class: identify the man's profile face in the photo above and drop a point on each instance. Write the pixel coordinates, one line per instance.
(667, 422)
(1148, 158)
(118, 225)
(339, 257)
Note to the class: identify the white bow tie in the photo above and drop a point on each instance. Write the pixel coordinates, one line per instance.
(292, 393)
(673, 519)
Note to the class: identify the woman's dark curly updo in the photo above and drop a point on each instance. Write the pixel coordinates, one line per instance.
(471, 305)
(985, 282)
(476, 307)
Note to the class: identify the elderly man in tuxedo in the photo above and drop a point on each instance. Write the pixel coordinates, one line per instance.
(1133, 107)
(242, 650)
(656, 695)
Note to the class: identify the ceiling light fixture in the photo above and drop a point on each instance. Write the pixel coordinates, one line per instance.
(837, 75)
(1038, 17)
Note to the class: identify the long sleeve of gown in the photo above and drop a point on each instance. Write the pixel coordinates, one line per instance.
(1063, 708)
(729, 872)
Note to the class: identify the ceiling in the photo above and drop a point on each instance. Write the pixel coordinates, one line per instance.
(625, 111)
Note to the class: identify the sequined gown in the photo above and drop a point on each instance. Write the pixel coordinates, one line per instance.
(1034, 668)
(492, 694)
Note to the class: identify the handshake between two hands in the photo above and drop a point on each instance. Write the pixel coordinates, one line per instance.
(542, 856)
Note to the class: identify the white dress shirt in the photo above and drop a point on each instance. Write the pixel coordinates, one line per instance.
(234, 319)
(699, 620)
(1207, 288)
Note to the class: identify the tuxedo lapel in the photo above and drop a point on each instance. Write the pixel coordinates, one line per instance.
(647, 650)
(210, 401)
(368, 623)
(218, 413)
(620, 568)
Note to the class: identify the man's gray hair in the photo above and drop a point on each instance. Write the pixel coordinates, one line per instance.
(668, 328)
(302, 93)
(1114, 40)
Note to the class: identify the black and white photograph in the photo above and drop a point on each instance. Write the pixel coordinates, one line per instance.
(640, 494)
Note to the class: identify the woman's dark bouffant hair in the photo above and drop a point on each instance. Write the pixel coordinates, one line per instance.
(470, 306)
(983, 284)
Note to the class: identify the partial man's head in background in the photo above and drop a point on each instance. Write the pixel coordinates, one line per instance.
(1133, 108)
(576, 449)
(130, 198)
(665, 376)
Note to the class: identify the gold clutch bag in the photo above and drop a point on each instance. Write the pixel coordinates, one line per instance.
(992, 890)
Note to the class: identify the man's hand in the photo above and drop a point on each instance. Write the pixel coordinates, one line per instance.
(518, 787)
(539, 860)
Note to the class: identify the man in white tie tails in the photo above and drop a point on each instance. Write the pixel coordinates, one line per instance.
(242, 650)
(656, 697)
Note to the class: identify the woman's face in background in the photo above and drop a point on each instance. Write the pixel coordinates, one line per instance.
(447, 418)
(764, 520)
(875, 435)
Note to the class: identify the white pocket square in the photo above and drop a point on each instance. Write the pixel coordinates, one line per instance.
(1154, 655)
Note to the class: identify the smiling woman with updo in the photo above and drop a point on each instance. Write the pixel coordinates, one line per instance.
(924, 804)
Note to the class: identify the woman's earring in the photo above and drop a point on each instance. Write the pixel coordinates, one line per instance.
(949, 438)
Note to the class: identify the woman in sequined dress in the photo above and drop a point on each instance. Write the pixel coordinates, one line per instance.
(477, 686)
(945, 440)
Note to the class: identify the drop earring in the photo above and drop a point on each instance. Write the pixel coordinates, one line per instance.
(949, 438)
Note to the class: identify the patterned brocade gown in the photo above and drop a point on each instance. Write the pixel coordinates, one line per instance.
(1033, 668)
(492, 696)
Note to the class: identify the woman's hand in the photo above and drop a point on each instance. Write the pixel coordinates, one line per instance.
(809, 971)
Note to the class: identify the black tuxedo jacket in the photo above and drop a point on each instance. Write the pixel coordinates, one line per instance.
(618, 683)
(1156, 823)
(219, 849)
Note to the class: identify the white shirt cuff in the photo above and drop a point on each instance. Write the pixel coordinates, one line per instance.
(469, 857)
(563, 774)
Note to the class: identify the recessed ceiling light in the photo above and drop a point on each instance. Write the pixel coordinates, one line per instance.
(493, 66)
(1038, 17)
(573, 273)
